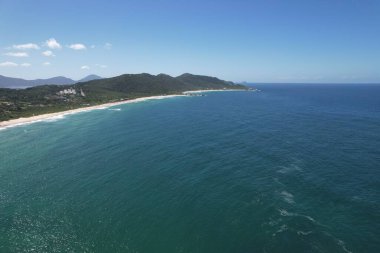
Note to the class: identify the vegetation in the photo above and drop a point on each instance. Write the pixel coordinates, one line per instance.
(50, 98)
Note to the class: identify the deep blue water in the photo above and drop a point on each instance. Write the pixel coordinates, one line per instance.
(293, 168)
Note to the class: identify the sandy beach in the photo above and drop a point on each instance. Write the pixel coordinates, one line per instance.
(202, 91)
(48, 116)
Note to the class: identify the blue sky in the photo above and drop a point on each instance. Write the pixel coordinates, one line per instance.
(257, 41)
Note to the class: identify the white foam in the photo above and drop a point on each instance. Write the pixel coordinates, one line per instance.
(54, 118)
(304, 233)
(343, 245)
(288, 169)
(283, 212)
(287, 197)
(202, 91)
(281, 229)
(273, 223)
(48, 119)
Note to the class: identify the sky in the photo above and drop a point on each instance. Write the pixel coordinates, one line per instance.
(314, 41)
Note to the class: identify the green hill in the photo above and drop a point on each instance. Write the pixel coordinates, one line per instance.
(134, 85)
(51, 98)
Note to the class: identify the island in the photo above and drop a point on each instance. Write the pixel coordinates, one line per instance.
(48, 99)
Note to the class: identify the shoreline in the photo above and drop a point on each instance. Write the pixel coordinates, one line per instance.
(57, 115)
(201, 91)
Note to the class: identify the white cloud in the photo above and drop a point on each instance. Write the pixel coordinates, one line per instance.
(93, 46)
(25, 64)
(26, 46)
(77, 46)
(17, 54)
(85, 67)
(108, 46)
(46, 63)
(8, 64)
(48, 53)
(101, 66)
(53, 44)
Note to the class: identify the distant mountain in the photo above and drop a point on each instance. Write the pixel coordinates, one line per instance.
(19, 83)
(90, 78)
(58, 80)
(9, 82)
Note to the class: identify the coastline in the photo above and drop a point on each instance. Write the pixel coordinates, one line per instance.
(54, 115)
(47, 116)
(202, 91)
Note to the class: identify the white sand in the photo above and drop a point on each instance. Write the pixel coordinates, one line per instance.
(202, 91)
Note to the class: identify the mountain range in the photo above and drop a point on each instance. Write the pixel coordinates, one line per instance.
(19, 83)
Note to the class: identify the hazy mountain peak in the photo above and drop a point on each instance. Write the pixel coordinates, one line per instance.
(17, 83)
(90, 78)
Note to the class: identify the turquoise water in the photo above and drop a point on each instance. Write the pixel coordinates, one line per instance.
(292, 168)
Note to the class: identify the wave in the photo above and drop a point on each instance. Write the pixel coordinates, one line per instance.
(284, 228)
(49, 119)
(339, 242)
(287, 197)
(288, 169)
(304, 233)
(283, 212)
(342, 244)
(280, 230)
(54, 118)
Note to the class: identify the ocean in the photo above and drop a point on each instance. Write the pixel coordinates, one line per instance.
(291, 168)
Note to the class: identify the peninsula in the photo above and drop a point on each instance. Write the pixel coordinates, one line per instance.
(51, 99)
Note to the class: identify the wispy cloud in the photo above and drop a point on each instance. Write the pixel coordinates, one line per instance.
(78, 46)
(48, 53)
(25, 64)
(93, 46)
(53, 44)
(101, 66)
(26, 46)
(8, 64)
(108, 46)
(85, 67)
(17, 54)
(46, 63)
